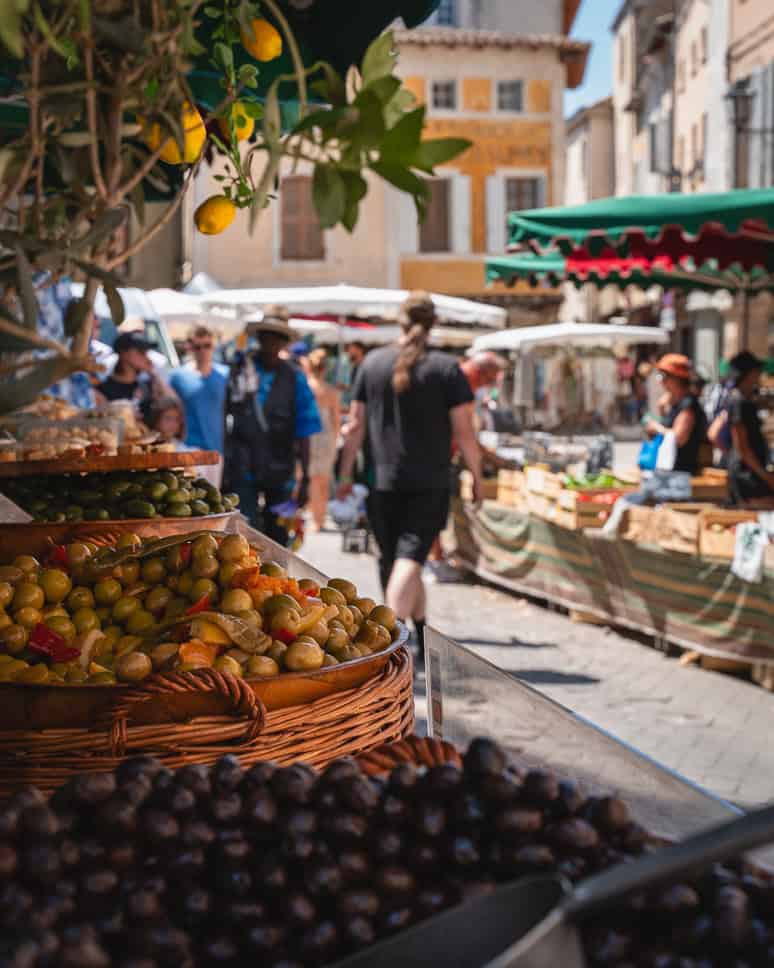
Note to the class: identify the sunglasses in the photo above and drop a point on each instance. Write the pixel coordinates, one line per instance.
(201, 346)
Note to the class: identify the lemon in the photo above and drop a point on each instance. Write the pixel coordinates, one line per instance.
(243, 123)
(215, 215)
(266, 42)
(195, 134)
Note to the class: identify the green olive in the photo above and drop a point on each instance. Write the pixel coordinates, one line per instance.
(307, 586)
(202, 587)
(319, 632)
(205, 566)
(107, 591)
(36, 674)
(330, 660)
(140, 621)
(28, 564)
(273, 570)
(85, 619)
(284, 622)
(234, 547)
(128, 573)
(126, 644)
(11, 575)
(153, 571)
(337, 641)
(103, 613)
(28, 617)
(28, 595)
(123, 608)
(5, 620)
(157, 599)
(113, 633)
(133, 667)
(175, 609)
(383, 615)
(349, 653)
(6, 593)
(175, 560)
(129, 541)
(366, 606)
(185, 583)
(163, 655)
(346, 618)
(331, 596)
(204, 545)
(262, 665)
(357, 615)
(303, 656)
(225, 663)
(277, 651)
(346, 588)
(276, 602)
(78, 553)
(236, 600)
(62, 626)
(56, 584)
(227, 571)
(13, 638)
(80, 597)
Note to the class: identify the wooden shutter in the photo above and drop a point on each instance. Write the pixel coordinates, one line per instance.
(496, 214)
(460, 210)
(434, 235)
(302, 237)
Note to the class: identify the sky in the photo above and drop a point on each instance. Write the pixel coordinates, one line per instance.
(593, 23)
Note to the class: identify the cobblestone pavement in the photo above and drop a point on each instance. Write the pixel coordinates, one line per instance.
(711, 727)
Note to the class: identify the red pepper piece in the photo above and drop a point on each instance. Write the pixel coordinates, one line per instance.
(285, 635)
(46, 641)
(185, 554)
(58, 557)
(202, 605)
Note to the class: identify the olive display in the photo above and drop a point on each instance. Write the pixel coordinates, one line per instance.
(117, 495)
(113, 615)
(285, 866)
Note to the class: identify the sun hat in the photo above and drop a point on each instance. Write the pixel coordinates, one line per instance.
(274, 319)
(675, 364)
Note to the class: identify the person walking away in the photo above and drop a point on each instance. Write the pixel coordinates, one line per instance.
(322, 454)
(134, 376)
(271, 414)
(411, 403)
(750, 477)
(684, 416)
(201, 385)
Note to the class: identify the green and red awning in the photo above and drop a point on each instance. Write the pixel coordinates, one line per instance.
(726, 229)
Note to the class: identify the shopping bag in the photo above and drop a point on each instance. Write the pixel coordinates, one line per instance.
(649, 453)
(667, 452)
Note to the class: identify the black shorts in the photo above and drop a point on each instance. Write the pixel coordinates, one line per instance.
(406, 523)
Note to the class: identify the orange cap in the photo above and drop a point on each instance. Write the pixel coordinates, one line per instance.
(675, 364)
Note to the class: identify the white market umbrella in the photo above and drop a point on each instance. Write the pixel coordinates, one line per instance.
(569, 334)
(354, 301)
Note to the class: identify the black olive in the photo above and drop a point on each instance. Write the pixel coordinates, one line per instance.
(515, 823)
(609, 946)
(143, 906)
(66, 888)
(259, 774)
(343, 768)
(220, 951)
(293, 783)
(677, 899)
(271, 878)
(570, 800)
(15, 902)
(299, 909)
(38, 822)
(540, 786)
(326, 799)
(26, 797)
(353, 864)
(395, 810)
(633, 838)
(99, 883)
(234, 881)
(85, 954)
(534, 857)
(241, 913)
(403, 780)
(197, 905)
(441, 782)
(575, 834)
(93, 853)
(358, 902)
(9, 818)
(484, 758)
(609, 814)
(136, 791)
(359, 793)
(168, 943)
(46, 911)
(91, 788)
(121, 856)
(397, 919)
(300, 823)
(226, 774)
(387, 844)
(394, 881)
(346, 827)
(196, 778)
(423, 857)
(499, 788)
(470, 890)
(323, 879)
(8, 861)
(760, 934)
(431, 899)
(139, 766)
(21, 953)
(573, 868)
(430, 819)
(468, 811)
(358, 932)
(40, 863)
(186, 865)
(236, 851)
(463, 852)
(158, 826)
(117, 818)
(732, 919)
(319, 942)
(196, 833)
(299, 849)
(260, 808)
(226, 807)
(265, 939)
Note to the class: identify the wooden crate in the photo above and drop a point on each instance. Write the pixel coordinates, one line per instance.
(638, 524)
(717, 531)
(535, 478)
(579, 520)
(677, 531)
(510, 488)
(571, 499)
(710, 485)
(540, 506)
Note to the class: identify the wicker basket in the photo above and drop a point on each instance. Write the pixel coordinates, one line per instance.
(347, 723)
(419, 750)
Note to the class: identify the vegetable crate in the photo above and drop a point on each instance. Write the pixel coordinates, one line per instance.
(717, 532)
(710, 485)
(510, 488)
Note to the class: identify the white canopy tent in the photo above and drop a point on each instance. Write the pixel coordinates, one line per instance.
(568, 334)
(353, 301)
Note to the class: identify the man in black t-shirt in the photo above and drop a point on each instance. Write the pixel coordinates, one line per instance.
(750, 480)
(411, 403)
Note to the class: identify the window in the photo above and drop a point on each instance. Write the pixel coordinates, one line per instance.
(509, 96)
(680, 160)
(444, 95)
(302, 237)
(621, 57)
(434, 232)
(703, 44)
(694, 59)
(447, 13)
(695, 159)
(681, 76)
(522, 193)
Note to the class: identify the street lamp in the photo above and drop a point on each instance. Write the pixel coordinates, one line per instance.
(739, 99)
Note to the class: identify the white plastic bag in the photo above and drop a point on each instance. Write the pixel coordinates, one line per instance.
(750, 547)
(667, 452)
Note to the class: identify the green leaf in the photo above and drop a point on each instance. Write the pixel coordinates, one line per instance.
(406, 181)
(438, 151)
(223, 57)
(272, 117)
(115, 302)
(369, 129)
(331, 86)
(380, 59)
(357, 189)
(190, 44)
(325, 120)
(29, 381)
(213, 12)
(401, 104)
(11, 26)
(329, 193)
(403, 139)
(385, 88)
(253, 109)
(26, 289)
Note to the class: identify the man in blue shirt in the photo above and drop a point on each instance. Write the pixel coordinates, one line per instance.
(272, 413)
(201, 386)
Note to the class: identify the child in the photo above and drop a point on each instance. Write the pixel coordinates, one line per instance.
(166, 415)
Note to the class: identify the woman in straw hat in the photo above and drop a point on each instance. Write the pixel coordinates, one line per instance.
(412, 403)
(684, 416)
(271, 415)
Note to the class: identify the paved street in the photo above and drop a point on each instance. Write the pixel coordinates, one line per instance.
(713, 728)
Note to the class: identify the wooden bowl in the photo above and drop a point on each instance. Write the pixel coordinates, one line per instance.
(38, 538)
(37, 707)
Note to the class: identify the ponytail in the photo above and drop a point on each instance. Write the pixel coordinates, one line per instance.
(416, 320)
